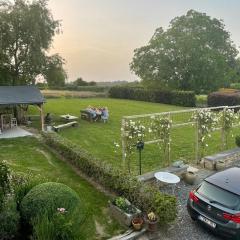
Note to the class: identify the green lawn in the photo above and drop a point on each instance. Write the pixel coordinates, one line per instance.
(98, 138)
(28, 155)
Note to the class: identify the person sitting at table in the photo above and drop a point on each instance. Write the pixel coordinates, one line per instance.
(92, 112)
(105, 114)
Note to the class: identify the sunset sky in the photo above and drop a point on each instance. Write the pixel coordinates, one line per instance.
(99, 36)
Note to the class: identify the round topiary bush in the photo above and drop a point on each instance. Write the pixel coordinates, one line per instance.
(46, 198)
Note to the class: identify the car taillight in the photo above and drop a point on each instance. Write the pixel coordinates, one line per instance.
(232, 217)
(193, 197)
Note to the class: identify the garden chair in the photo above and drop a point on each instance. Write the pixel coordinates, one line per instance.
(13, 122)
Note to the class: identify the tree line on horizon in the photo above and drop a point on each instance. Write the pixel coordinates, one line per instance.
(195, 52)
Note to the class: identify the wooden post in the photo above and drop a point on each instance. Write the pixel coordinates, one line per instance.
(40, 107)
(169, 140)
(197, 143)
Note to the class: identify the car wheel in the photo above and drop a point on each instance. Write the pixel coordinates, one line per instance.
(193, 218)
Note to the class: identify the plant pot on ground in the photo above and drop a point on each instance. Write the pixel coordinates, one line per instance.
(137, 223)
(152, 222)
(190, 177)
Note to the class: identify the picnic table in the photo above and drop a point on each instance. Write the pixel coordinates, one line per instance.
(68, 117)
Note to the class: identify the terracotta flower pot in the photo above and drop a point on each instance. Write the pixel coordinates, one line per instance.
(137, 223)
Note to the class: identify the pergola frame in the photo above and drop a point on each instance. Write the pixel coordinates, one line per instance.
(175, 124)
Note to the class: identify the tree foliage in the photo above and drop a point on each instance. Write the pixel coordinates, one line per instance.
(80, 82)
(194, 53)
(26, 33)
(54, 73)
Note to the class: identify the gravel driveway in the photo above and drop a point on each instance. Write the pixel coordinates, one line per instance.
(184, 228)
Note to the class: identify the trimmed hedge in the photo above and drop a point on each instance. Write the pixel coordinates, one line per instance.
(79, 88)
(46, 198)
(142, 195)
(181, 98)
(223, 99)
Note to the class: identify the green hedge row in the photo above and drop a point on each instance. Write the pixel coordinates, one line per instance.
(142, 195)
(79, 88)
(181, 98)
(223, 99)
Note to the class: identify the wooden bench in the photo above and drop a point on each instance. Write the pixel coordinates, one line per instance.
(226, 157)
(66, 125)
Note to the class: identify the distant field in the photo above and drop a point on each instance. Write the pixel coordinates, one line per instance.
(71, 94)
(98, 138)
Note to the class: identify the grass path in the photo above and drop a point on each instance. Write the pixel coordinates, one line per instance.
(29, 155)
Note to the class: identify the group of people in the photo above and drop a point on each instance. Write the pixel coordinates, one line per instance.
(100, 113)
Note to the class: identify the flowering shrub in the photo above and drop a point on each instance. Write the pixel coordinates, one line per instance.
(206, 122)
(134, 132)
(161, 127)
(227, 118)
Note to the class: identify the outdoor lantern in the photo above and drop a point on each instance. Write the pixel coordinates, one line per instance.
(140, 147)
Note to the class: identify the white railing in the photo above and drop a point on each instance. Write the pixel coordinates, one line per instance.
(179, 119)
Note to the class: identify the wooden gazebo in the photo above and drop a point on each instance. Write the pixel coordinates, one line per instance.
(16, 99)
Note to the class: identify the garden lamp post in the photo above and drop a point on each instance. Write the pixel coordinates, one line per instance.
(140, 147)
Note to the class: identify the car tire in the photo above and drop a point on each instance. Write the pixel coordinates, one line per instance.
(193, 218)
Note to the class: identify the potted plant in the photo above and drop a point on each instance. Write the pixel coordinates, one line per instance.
(137, 223)
(152, 221)
(123, 210)
(190, 177)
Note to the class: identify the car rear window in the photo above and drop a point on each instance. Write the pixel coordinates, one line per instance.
(219, 196)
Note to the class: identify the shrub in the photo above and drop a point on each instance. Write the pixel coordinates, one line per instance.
(47, 198)
(61, 226)
(235, 85)
(4, 176)
(140, 194)
(237, 140)
(182, 98)
(201, 100)
(223, 99)
(9, 219)
(23, 183)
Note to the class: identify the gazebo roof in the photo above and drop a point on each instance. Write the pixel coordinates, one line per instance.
(14, 95)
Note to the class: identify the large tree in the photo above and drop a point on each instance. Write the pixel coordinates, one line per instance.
(54, 72)
(26, 34)
(194, 53)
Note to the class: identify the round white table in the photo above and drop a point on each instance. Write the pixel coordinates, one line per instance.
(168, 178)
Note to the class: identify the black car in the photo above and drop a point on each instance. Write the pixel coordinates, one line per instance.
(216, 203)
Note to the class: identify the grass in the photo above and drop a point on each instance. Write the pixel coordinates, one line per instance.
(99, 138)
(28, 155)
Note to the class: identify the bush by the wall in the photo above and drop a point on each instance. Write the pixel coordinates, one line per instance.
(142, 195)
(181, 98)
(9, 219)
(223, 98)
(47, 198)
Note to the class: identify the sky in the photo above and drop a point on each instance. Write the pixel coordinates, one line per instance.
(99, 36)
